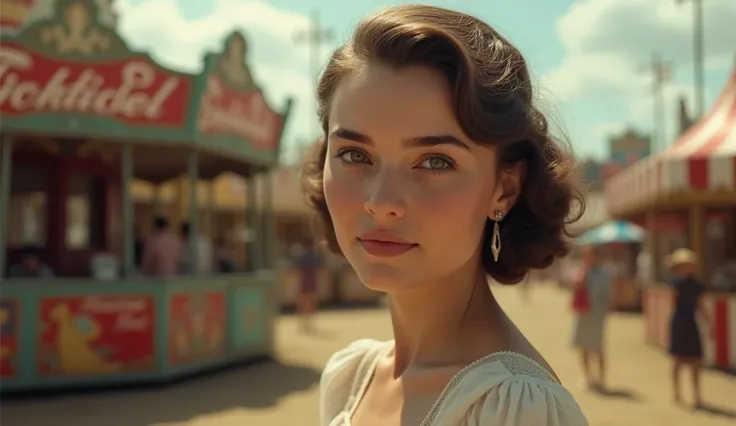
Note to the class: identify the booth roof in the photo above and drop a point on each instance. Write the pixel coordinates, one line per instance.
(702, 160)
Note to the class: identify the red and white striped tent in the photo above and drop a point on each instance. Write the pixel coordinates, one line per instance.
(701, 160)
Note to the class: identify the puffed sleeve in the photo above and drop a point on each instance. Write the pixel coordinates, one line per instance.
(338, 377)
(525, 401)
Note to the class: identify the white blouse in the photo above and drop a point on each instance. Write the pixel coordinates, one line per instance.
(501, 389)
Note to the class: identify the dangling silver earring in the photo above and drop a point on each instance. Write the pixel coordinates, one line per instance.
(496, 239)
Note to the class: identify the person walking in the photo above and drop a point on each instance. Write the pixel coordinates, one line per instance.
(686, 346)
(591, 301)
(309, 263)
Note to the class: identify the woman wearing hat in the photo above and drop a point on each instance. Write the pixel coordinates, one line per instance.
(685, 343)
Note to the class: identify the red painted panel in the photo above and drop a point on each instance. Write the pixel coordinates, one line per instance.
(132, 90)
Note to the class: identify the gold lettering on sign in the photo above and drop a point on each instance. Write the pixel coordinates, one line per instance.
(87, 93)
(250, 119)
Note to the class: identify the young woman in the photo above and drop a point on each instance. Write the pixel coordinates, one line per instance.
(436, 172)
(590, 324)
(685, 344)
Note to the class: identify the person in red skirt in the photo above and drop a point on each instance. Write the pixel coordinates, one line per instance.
(686, 346)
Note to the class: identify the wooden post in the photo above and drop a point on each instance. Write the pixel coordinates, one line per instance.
(251, 221)
(655, 257)
(126, 181)
(193, 171)
(211, 211)
(696, 239)
(182, 200)
(267, 225)
(6, 164)
(157, 200)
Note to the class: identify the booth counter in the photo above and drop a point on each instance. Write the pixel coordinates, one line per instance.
(719, 344)
(71, 333)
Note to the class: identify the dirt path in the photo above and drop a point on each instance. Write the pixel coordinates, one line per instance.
(285, 393)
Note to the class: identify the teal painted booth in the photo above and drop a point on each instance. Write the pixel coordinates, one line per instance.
(77, 332)
(89, 109)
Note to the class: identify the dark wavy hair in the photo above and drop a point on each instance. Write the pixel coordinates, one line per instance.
(494, 102)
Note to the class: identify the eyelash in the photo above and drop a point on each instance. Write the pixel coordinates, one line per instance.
(450, 164)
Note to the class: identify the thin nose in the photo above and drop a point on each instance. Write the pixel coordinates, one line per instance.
(383, 200)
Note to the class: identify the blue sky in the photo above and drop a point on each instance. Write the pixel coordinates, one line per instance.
(586, 55)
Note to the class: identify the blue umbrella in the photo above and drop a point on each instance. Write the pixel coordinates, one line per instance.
(613, 232)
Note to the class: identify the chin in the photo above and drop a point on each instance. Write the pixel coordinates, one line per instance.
(383, 278)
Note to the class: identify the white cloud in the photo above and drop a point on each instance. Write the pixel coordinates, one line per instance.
(608, 43)
(279, 64)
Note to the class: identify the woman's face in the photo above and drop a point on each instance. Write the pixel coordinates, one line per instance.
(399, 166)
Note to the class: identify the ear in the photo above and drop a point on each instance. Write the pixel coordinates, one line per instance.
(508, 188)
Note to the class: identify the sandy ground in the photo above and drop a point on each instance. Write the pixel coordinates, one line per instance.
(285, 392)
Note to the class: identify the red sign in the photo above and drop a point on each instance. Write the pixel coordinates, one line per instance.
(92, 335)
(131, 90)
(243, 114)
(196, 326)
(9, 316)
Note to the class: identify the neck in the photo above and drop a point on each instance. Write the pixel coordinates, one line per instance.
(439, 324)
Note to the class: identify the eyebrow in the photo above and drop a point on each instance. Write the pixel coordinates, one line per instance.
(420, 141)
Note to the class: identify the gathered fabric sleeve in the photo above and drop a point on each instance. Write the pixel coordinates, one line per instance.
(339, 378)
(524, 401)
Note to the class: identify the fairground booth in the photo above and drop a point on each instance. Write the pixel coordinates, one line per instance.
(618, 244)
(82, 116)
(685, 196)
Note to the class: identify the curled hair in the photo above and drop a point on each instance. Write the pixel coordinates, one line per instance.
(493, 100)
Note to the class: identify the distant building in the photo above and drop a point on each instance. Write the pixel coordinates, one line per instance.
(628, 148)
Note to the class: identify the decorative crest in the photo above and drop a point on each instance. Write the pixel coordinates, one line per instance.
(231, 62)
(73, 30)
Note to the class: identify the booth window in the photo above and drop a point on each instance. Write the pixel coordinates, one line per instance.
(27, 218)
(719, 243)
(85, 212)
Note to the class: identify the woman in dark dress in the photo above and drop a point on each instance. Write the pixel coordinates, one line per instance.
(309, 264)
(685, 344)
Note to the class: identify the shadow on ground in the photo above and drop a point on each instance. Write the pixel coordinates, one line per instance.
(717, 411)
(621, 393)
(255, 386)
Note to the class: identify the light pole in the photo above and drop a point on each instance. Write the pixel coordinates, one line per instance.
(314, 37)
(660, 75)
(698, 60)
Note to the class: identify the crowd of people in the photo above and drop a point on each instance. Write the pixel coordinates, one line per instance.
(167, 253)
(591, 300)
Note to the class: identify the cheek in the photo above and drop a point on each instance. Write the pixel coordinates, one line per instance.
(343, 200)
(458, 211)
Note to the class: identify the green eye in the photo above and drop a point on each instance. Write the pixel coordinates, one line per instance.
(438, 163)
(355, 156)
(352, 156)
